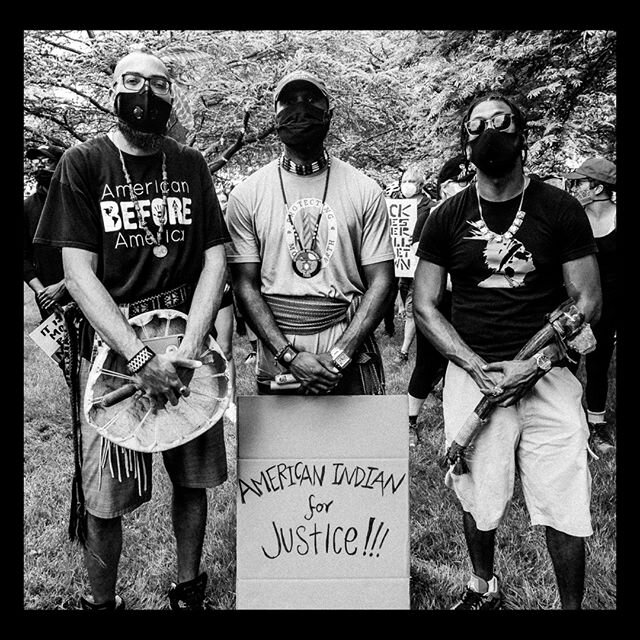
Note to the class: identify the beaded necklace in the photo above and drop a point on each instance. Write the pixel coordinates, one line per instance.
(515, 225)
(159, 250)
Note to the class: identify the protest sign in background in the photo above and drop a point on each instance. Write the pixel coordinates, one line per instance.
(49, 336)
(322, 503)
(402, 218)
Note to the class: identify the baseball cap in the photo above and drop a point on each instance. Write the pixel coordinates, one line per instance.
(455, 169)
(596, 168)
(45, 151)
(301, 76)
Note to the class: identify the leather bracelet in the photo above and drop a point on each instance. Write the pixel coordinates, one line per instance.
(286, 355)
(140, 359)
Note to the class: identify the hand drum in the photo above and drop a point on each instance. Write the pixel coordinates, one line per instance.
(124, 415)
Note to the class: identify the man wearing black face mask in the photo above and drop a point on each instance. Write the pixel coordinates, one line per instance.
(42, 265)
(514, 249)
(311, 256)
(141, 229)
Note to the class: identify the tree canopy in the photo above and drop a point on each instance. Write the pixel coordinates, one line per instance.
(399, 95)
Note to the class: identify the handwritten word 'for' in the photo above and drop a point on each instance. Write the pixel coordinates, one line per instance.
(330, 539)
(280, 476)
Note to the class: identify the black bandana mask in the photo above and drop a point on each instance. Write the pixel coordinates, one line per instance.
(495, 152)
(302, 125)
(43, 177)
(143, 111)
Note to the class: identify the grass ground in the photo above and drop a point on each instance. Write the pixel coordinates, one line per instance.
(54, 576)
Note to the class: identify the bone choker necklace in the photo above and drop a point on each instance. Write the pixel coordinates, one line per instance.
(305, 169)
(515, 225)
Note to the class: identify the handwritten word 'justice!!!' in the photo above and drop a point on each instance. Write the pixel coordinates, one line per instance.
(280, 476)
(329, 539)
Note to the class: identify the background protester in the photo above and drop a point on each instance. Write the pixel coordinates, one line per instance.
(412, 186)
(43, 270)
(595, 186)
(430, 364)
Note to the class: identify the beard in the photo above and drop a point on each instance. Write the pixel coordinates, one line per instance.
(141, 139)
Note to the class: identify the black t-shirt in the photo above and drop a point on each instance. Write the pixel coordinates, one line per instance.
(44, 263)
(422, 213)
(89, 207)
(502, 291)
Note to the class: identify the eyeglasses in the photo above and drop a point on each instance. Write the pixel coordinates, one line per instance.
(499, 122)
(134, 82)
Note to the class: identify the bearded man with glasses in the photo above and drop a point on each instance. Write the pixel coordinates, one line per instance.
(515, 249)
(140, 227)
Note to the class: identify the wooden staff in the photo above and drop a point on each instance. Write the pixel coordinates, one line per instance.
(565, 322)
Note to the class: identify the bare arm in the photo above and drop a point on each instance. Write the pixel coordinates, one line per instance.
(429, 284)
(158, 378)
(377, 297)
(96, 304)
(582, 283)
(246, 286)
(205, 302)
(315, 374)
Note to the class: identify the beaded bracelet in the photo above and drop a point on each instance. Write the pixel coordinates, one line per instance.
(140, 359)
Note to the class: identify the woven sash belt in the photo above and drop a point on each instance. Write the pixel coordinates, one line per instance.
(307, 315)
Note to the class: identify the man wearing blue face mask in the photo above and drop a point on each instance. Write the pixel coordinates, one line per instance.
(311, 256)
(141, 229)
(515, 249)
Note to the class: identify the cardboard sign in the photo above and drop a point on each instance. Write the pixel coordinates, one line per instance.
(49, 336)
(322, 503)
(402, 216)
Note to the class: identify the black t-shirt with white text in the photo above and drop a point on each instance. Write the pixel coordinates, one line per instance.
(89, 206)
(501, 291)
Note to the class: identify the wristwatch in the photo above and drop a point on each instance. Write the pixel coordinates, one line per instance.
(340, 358)
(286, 355)
(542, 361)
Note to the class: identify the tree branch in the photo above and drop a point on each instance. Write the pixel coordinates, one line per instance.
(240, 142)
(61, 46)
(57, 121)
(93, 101)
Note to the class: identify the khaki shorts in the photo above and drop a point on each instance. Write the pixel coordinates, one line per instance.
(116, 481)
(543, 437)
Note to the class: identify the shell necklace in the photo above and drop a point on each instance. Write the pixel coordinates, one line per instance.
(159, 250)
(515, 225)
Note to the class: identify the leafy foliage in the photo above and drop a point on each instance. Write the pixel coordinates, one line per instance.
(399, 95)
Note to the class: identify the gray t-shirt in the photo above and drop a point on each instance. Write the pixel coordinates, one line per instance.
(353, 229)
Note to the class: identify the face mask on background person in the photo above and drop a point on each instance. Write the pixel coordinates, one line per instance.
(409, 189)
(43, 177)
(585, 193)
(302, 125)
(143, 111)
(496, 152)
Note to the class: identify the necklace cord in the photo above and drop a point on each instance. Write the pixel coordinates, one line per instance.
(317, 226)
(136, 204)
